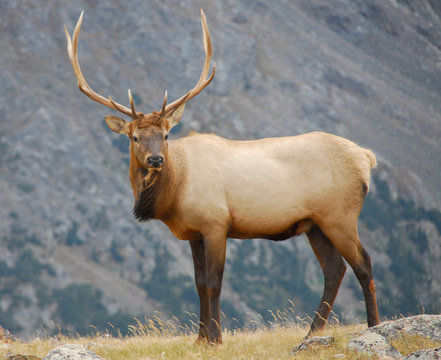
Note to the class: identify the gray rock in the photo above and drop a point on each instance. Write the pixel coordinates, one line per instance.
(372, 342)
(376, 339)
(423, 325)
(429, 354)
(71, 352)
(314, 341)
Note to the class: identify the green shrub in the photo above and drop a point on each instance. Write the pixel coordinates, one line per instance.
(72, 237)
(79, 306)
(407, 247)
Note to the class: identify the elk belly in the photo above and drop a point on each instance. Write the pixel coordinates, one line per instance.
(272, 219)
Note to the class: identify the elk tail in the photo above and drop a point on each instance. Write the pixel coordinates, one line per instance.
(371, 156)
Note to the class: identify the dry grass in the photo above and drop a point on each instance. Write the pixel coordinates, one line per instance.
(407, 344)
(156, 339)
(261, 344)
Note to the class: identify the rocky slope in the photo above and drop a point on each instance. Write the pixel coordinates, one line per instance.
(378, 339)
(366, 70)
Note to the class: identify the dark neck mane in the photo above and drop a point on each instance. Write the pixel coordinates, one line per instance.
(144, 208)
(155, 192)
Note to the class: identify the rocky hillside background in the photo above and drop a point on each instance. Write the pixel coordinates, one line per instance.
(70, 252)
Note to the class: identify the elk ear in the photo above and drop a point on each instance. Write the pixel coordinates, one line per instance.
(175, 116)
(118, 125)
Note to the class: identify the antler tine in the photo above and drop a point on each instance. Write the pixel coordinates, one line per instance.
(72, 48)
(203, 80)
(132, 105)
(207, 48)
(117, 106)
(164, 103)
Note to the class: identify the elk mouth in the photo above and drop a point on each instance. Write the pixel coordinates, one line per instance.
(154, 169)
(151, 177)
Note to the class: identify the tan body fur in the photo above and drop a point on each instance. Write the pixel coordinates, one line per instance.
(262, 188)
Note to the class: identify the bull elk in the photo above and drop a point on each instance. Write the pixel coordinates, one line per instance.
(206, 189)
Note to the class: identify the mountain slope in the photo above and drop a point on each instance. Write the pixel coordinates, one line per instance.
(366, 70)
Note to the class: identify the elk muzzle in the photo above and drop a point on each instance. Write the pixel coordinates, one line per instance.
(155, 161)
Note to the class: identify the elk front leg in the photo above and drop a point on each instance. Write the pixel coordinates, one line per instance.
(215, 248)
(198, 252)
(333, 268)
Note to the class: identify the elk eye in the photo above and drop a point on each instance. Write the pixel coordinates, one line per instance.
(135, 139)
(166, 137)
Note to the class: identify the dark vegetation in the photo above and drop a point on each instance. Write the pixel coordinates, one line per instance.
(177, 293)
(270, 279)
(408, 248)
(80, 310)
(79, 307)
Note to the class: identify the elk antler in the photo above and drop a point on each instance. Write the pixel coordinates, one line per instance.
(72, 48)
(203, 80)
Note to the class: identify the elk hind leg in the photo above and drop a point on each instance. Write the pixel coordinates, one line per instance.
(363, 272)
(333, 268)
(347, 242)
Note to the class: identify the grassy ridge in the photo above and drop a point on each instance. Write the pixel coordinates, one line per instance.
(276, 343)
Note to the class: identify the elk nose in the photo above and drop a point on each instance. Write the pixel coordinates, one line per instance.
(155, 161)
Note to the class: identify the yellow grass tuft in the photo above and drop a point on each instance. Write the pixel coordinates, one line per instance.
(409, 343)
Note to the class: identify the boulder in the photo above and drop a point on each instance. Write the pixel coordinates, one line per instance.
(314, 341)
(429, 354)
(71, 352)
(373, 342)
(376, 339)
(423, 325)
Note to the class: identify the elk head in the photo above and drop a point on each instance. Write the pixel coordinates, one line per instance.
(147, 133)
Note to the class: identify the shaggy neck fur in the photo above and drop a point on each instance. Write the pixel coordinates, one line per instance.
(154, 191)
(145, 203)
